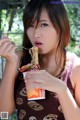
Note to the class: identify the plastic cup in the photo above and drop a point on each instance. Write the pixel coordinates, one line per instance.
(34, 94)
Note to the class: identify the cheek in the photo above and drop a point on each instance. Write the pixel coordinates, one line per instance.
(52, 37)
(52, 40)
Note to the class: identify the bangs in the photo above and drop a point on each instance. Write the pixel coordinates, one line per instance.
(32, 14)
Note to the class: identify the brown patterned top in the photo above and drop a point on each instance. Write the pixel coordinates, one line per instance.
(46, 109)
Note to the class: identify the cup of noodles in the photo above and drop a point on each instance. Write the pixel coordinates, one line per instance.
(37, 93)
(33, 94)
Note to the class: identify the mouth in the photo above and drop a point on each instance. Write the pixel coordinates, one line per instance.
(38, 44)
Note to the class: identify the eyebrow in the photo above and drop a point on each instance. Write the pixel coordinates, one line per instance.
(43, 20)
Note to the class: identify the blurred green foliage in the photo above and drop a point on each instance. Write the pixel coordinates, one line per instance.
(74, 20)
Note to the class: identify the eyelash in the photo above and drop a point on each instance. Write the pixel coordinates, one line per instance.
(42, 25)
(45, 24)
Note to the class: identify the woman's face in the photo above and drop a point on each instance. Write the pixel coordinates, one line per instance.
(44, 36)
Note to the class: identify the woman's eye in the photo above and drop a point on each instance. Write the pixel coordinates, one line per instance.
(44, 24)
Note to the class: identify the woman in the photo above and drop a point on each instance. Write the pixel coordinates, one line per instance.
(46, 26)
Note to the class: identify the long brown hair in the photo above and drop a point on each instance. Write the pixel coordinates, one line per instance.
(58, 17)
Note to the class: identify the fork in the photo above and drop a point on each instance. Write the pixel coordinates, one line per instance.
(20, 48)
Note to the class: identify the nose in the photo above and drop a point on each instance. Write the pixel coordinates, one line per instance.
(36, 33)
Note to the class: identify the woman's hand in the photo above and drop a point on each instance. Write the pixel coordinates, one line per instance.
(7, 50)
(42, 79)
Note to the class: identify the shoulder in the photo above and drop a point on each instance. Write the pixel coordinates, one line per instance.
(72, 56)
(75, 78)
(75, 75)
(75, 72)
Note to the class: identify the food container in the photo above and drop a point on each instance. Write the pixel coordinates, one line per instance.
(34, 94)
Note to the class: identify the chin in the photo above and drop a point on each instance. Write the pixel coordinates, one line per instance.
(41, 52)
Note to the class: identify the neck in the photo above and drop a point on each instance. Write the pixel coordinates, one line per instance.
(48, 62)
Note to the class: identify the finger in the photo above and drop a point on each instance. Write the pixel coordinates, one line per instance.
(37, 75)
(30, 80)
(40, 73)
(4, 41)
(36, 72)
(34, 86)
(10, 49)
(5, 47)
(35, 79)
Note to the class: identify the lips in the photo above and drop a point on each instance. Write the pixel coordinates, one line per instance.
(38, 43)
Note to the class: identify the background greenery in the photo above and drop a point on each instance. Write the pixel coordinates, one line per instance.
(11, 23)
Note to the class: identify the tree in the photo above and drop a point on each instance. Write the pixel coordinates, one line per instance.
(73, 10)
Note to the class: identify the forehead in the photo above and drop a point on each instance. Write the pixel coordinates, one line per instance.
(43, 16)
